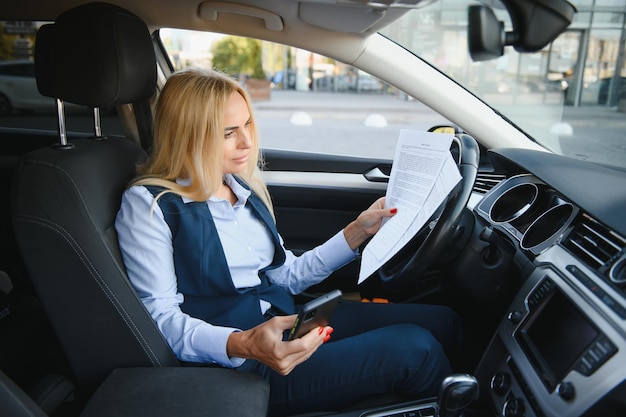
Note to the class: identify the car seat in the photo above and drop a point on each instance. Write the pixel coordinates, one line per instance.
(65, 199)
(154, 392)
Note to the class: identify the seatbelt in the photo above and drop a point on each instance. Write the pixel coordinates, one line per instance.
(143, 118)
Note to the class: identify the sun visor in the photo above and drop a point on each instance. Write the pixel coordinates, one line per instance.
(355, 16)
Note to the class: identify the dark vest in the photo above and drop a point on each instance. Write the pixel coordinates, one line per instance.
(202, 272)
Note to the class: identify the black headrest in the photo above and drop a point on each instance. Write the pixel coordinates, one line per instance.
(43, 45)
(101, 55)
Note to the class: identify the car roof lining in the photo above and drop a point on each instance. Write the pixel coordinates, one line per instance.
(302, 22)
(350, 16)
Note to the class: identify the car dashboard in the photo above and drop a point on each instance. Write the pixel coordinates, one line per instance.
(560, 348)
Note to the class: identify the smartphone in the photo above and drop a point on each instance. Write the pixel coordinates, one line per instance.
(315, 313)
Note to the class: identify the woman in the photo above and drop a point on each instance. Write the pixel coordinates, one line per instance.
(200, 244)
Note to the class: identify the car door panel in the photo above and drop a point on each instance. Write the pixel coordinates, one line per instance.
(318, 200)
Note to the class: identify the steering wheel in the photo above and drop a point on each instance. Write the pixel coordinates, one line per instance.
(419, 253)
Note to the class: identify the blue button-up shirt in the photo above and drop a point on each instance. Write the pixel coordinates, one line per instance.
(146, 244)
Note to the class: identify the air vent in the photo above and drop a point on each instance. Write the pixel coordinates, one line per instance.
(594, 244)
(485, 182)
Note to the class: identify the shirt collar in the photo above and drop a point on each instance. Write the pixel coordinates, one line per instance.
(241, 192)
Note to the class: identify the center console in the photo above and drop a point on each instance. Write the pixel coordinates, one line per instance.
(557, 351)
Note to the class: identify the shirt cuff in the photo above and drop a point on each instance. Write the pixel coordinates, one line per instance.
(336, 252)
(214, 340)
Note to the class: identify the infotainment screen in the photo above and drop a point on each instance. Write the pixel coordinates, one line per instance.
(556, 335)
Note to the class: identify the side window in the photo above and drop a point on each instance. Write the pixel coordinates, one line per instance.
(27, 70)
(21, 105)
(304, 101)
(8, 70)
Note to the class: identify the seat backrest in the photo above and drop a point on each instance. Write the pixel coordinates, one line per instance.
(16, 403)
(65, 199)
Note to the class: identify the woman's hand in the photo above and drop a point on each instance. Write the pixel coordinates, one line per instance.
(265, 344)
(367, 224)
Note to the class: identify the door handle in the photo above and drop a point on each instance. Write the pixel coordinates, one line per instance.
(376, 175)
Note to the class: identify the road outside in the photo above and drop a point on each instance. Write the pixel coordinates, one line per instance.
(339, 123)
(368, 125)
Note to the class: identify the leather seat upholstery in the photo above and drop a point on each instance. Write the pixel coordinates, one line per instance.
(156, 392)
(14, 402)
(64, 203)
(66, 199)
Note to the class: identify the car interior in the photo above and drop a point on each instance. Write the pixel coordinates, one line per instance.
(529, 248)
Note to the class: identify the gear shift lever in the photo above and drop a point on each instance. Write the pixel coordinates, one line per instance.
(457, 392)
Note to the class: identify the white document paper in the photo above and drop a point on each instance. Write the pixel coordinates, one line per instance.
(422, 175)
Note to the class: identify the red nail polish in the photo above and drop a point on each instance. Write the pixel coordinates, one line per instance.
(393, 210)
(326, 338)
(320, 330)
(329, 331)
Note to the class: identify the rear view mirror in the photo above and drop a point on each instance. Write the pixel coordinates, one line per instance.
(535, 25)
(485, 34)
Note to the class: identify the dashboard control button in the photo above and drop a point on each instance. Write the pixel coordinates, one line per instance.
(513, 408)
(515, 317)
(566, 391)
(501, 383)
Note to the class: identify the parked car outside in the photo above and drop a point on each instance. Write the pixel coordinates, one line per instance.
(19, 93)
(606, 85)
(18, 88)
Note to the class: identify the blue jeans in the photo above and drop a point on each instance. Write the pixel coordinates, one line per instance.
(375, 349)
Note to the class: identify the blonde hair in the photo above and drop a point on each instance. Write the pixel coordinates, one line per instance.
(189, 137)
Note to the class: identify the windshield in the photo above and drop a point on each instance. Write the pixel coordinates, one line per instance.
(570, 97)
